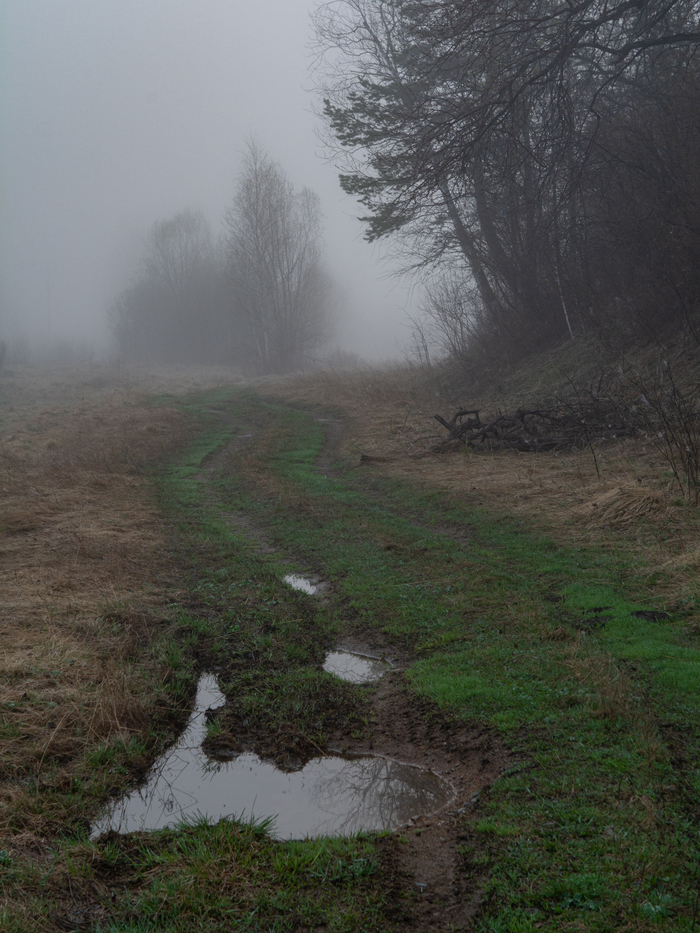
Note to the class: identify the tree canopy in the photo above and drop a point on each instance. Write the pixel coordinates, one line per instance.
(527, 141)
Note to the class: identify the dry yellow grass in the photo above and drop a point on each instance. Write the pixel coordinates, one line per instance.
(623, 505)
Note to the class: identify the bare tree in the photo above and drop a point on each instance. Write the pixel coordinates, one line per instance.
(453, 322)
(178, 250)
(273, 245)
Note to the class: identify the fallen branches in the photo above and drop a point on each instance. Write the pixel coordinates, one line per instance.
(567, 425)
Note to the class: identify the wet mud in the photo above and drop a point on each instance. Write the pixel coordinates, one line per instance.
(434, 886)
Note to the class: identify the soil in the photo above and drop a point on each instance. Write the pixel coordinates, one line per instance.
(433, 885)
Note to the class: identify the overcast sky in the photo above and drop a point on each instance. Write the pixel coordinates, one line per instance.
(118, 113)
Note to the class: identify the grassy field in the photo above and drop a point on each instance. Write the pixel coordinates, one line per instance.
(570, 642)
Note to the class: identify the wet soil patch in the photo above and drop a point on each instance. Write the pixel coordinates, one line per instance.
(433, 884)
(284, 714)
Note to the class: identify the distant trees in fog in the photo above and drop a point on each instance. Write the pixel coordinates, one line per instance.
(274, 264)
(259, 299)
(176, 308)
(540, 159)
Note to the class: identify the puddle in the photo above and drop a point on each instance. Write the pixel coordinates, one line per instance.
(357, 668)
(301, 583)
(332, 795)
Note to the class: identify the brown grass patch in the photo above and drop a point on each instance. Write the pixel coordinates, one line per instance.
(624, 505)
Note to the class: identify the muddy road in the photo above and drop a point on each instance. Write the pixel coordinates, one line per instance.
(157, 543)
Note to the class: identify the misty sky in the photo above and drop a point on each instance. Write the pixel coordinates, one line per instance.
(118, 113)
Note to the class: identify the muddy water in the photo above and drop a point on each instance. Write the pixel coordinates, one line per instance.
(333, 795)
(356, 668)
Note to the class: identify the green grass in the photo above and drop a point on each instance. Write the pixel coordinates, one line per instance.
(231, 875)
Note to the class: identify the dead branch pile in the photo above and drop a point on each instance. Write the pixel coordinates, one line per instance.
(564, 425)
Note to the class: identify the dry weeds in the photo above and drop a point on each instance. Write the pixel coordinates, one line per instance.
(623, 505)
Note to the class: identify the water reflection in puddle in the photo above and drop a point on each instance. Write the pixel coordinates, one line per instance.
(357, 668)
(301, 583)
(329, 796)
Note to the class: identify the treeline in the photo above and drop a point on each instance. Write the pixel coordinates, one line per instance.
(258, 298)
(539, 159)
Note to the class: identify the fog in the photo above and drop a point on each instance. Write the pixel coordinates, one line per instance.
(119, 113)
